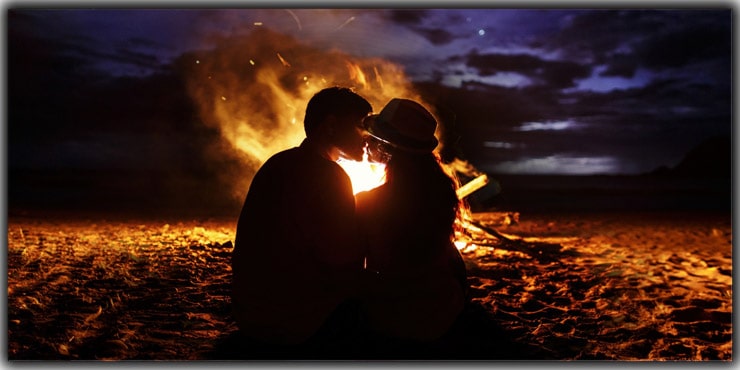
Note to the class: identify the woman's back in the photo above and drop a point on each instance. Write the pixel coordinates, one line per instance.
(414, 211)
(416, 280)
(416, 289)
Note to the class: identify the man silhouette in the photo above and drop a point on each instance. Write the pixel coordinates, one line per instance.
(296, 258)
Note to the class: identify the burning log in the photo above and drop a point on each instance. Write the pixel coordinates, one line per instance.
(539, 250)
(472, 186)
(535, 250)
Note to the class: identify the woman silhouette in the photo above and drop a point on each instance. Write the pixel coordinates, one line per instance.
(417, 283)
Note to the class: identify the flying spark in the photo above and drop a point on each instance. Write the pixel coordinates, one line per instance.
(348, 21)
(282, 60)
(295, 17)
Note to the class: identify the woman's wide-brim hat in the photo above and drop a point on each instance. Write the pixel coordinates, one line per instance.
(404, 124)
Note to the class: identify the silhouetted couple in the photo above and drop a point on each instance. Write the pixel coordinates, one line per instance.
(319, 272)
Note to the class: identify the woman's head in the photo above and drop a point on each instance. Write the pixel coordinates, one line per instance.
(404, 125)
(417, 188)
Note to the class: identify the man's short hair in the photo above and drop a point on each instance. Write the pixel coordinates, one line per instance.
(337, 101)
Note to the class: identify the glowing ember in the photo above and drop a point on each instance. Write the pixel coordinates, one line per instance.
(364, 175)
(461, 244)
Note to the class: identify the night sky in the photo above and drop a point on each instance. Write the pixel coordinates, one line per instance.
(104, 99)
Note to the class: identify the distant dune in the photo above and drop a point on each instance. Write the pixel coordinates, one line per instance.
(711, 158)
(701, 181)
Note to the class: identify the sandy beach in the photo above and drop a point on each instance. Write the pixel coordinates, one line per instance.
(618, 286)
(552, 286)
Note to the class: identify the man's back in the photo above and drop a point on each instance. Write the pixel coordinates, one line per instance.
(295, 253)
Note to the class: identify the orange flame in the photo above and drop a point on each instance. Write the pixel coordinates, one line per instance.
(356, 74)
(364, 175)
(257, 100)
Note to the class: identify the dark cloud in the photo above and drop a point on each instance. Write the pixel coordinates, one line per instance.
(695, 43)
(436, 36)
(90, 52)
(621, 65)
(658, 40)
(490, 64)
(415, 20)
(408, 17)
(594, 35)
(123, 59)
(557, 74)
(135, 58)
(141, 42)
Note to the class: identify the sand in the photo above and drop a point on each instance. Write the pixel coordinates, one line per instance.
(612, 286)
(582, 286)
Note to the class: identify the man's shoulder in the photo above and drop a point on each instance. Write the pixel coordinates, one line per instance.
(286, 153)
(301, 158)
(281, 159)
(310, 169)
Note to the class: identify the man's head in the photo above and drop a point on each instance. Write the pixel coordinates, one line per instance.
(334, 116)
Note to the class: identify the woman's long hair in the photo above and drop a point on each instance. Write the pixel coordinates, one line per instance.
(423, 195)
